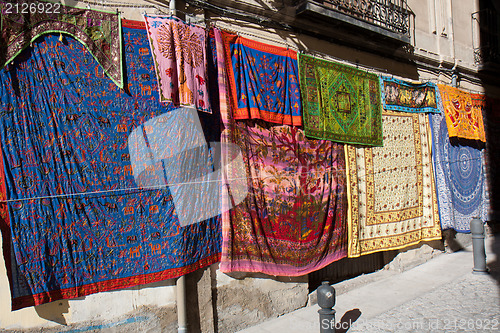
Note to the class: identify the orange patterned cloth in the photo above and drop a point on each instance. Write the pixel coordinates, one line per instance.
(463, 113)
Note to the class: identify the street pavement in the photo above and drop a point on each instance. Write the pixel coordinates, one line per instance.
(441, 295)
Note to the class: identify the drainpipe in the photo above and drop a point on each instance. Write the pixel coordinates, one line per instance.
(452, 30)
(454, 75)
(181, 304)
(454, 71)
(172, 8)
(181, 280)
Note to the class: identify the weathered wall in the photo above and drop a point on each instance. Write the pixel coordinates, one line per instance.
(248, 299)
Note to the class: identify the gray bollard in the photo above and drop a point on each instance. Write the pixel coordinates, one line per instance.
(326, 301)
(477, 231)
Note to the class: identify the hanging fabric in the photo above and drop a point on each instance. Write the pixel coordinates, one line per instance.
(79, 220)
(98, 31)
(292, 221)
(399, 95)
(460, 179)
(263, 81)
(392, 195)
(463, 113)
(179, 53)
(340, 103)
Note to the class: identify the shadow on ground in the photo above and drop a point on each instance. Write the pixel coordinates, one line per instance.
(347, 320)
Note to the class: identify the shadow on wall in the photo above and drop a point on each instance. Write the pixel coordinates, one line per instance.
(350, 267)
(54, 311)
(487, 57)
(347, 268)
(213, 306)
(494, 266)
(197, 316)
(163, 318)
(456, 241)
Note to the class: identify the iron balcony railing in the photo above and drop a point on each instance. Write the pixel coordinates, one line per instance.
(393, 15)
(486, 36)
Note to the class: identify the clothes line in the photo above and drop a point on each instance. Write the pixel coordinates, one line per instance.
(232, 29)
(371, 69)
(322, 55)
(118, 4)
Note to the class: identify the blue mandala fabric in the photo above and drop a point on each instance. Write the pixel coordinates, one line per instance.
(75, 222)
(460, 178)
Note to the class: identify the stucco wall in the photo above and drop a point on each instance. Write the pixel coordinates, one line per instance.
(443, 31)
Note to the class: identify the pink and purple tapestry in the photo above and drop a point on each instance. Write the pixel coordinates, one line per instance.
(179, 53)
(74, 219)
(293, 220)
(263, 81)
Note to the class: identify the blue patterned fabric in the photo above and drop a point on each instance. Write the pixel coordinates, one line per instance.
(460, 179)
(81, 224)
(263, 81)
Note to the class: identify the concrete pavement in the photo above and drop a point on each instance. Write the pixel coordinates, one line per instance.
(441, 295)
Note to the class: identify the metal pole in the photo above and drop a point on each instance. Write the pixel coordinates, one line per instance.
(477, 231)
(454, 78)
(172, 8)
(326, 301)
(454, 75)
(181, 304)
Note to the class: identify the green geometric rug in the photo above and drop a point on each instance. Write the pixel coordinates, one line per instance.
(340, 103)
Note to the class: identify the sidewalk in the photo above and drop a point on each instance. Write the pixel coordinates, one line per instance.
(441, 295)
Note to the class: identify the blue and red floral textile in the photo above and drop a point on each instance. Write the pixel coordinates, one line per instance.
(74, 220)
(263, 81)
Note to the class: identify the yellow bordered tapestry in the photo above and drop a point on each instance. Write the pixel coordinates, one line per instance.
(392, 196)
(463, 113)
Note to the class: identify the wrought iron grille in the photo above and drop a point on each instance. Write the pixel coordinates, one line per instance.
(393, 15)
(486, 36)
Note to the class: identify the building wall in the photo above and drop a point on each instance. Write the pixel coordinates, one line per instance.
(443, 36)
